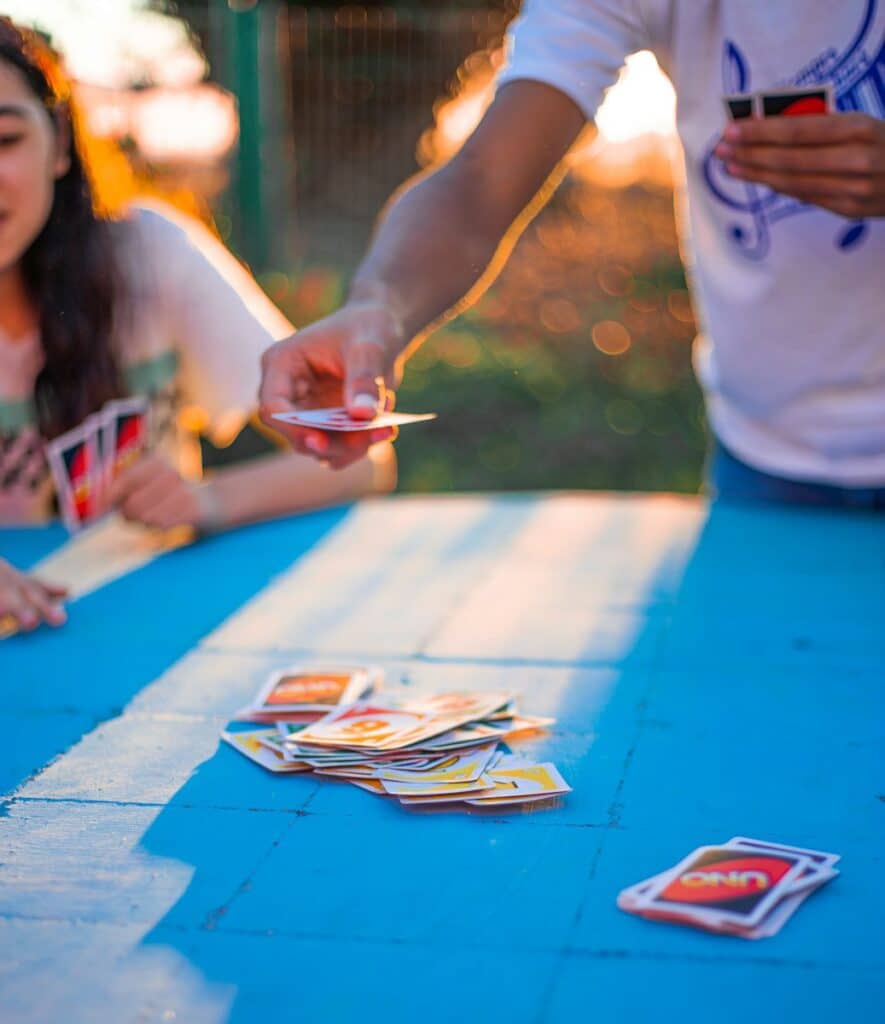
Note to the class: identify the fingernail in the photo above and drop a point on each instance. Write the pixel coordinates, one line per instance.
(733, 169)
(723, 150)
(59, 615)
(377, 436)
(364, 402)
(732, 132)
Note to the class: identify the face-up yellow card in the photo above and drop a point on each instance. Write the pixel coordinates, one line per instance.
(250, 745)
(481, 785)
(515, 781)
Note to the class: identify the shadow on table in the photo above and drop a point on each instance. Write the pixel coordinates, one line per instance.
(271, 934)
(58, 685)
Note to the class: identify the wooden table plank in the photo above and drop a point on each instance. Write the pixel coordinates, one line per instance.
(382, 585)
(580, 583)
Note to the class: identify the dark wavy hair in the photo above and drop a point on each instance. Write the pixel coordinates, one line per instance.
(70, 271)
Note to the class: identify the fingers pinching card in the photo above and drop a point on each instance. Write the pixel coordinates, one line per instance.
(338, 419)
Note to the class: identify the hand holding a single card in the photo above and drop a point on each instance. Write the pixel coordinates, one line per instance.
(26, 602)
(152, 493)
(347, 359)
(836, 161)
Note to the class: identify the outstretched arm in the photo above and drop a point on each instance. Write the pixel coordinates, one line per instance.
(440, 243)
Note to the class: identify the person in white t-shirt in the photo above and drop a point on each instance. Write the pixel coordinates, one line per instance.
(781, 225)
(94, 309)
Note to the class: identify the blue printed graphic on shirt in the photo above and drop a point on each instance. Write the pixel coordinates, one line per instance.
(857, 74)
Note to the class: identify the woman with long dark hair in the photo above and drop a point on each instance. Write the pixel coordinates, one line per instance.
(94, 308)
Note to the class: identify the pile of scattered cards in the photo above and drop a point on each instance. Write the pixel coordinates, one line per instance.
(337, 419)
(86, 459)
(744, 887)
(439, 749)
(817, 99)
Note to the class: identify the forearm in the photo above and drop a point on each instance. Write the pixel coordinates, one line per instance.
(428, 254)
(445, 236)
(435, 249)
(282, 484)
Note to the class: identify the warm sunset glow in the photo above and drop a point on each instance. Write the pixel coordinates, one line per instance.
(642, 102)
(611, 337)
(636, 122)
(138, 78)
(185, 124)
(114, 43)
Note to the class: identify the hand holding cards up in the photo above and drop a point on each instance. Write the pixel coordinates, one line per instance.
(85, 461)
(798, 102)
(793, 142)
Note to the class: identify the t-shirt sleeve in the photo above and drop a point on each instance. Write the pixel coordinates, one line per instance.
(218, 319)
(576, 46)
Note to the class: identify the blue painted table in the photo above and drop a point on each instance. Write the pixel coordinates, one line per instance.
(713, 670)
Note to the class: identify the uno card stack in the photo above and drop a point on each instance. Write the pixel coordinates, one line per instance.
(745, 887)
(441, 749)
(85, 460)
(787, 102)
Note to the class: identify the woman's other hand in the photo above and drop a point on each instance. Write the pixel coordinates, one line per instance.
(152, 493)
(26, 602)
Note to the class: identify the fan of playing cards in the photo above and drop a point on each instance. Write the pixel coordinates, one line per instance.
(744, 887)
(85, 460)
(444, 748)
(788, 102)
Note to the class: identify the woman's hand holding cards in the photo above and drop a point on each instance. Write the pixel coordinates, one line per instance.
(26, 602)
(347, 359)
(152, 493)
(836, 161)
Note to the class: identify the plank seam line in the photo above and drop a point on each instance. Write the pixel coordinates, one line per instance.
(11, 917)
(596, 954)
(505, 662)
(614, 819)
(210, 921)
(757, 961)
(527, 821)
(603, 954)
(296, 812)
(387, 657)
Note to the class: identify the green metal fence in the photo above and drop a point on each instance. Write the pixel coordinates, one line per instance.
(333, 101)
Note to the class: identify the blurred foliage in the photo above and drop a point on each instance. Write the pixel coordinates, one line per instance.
(573, 371)
(480, 5)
